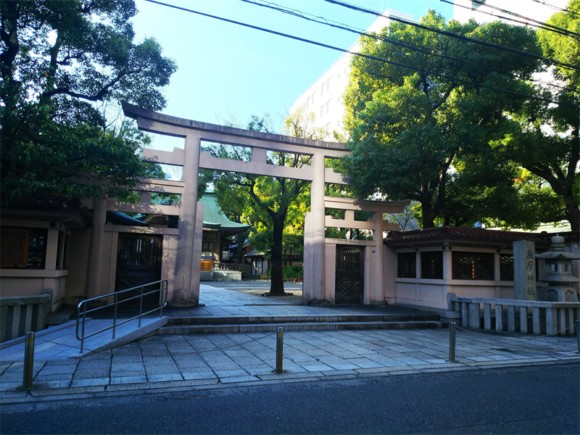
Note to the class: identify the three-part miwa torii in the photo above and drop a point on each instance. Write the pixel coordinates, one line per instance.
(317, 271)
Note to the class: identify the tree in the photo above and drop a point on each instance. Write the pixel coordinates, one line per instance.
(61, 64)
(544, 139)
(415, 135)
(274, 206)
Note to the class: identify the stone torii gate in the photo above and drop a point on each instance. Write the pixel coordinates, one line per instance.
(191, 158)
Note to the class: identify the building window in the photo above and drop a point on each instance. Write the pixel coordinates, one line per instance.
(432, 264)
(328, 106)
(24, 248)
(207, 247)
(407, 265)
(328, 85)
(506, 267)
(472, 265)
(321, 111)
(322, 89)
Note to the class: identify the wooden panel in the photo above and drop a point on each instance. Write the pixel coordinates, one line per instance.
(14, 247)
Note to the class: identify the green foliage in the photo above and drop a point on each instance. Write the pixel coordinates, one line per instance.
(275, 207)
(442, 143)
(294, 271)
(62, 63)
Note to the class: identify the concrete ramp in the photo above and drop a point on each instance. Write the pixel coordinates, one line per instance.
(60, 342)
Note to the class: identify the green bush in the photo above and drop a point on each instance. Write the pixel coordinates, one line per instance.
(293, 271)
(263, 276)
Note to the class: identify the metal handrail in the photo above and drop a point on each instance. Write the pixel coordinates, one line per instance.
(83, 304)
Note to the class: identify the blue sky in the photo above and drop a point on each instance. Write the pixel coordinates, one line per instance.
(227, 71)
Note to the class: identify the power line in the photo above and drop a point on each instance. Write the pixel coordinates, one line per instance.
(528, 22)
(556, 8)
(331, 47)
(456, 36)
(302, 15)
(326, 22)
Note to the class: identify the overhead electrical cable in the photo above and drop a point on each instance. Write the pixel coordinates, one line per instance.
(331, 47)
(326, 22)
(528, 21)
(456, 36)
(302, 15)
(555, 7)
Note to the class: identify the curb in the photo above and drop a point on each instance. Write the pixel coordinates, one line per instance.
(94, 392)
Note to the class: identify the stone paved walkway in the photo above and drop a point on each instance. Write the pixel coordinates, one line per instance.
(219, 360)
(192, 360)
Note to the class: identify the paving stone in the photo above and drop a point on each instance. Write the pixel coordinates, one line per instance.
(239, 379)
(158, 370)
(230, 373)
(89, 382)
(316, 368)
(164, 377)
(127, 367)
(125, 374)
(198, 375)
(128, 380)
(91, 374)
(56, 370)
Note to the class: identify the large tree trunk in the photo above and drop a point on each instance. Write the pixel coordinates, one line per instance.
(572, 212)
(428, 215)
(276, 272)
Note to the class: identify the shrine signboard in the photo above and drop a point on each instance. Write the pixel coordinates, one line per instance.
(525, 271)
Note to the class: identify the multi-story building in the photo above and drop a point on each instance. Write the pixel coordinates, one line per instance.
(324, 98)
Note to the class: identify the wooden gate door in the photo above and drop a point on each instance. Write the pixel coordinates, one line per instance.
(349, 275)
(138, 263)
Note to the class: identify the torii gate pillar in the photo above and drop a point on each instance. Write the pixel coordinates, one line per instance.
(316, 227)
(184, 290)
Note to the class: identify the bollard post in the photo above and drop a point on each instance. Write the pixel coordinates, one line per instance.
(279, 349)
(28, 361)
(577, 328)
(452, 331)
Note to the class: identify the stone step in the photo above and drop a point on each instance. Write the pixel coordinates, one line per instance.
(293, 326)
(247, 320)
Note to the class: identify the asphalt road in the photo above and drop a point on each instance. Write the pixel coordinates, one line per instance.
(525, 400)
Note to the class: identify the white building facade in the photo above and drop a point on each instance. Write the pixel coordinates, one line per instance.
(323, 100)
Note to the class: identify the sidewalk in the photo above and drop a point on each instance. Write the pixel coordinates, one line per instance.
(202, 361)
(221, 360)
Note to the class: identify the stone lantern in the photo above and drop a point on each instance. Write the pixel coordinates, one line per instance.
(558, 273)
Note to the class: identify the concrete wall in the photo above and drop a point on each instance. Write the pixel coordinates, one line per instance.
(432, 293)
(31, 282)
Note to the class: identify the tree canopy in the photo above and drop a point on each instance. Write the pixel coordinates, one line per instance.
(62, 64)
(453, 146)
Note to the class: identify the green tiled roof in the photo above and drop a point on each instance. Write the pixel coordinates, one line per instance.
(214, 217)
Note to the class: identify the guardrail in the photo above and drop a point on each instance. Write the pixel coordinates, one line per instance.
(34, 310)
(559, 317)
(83, 312)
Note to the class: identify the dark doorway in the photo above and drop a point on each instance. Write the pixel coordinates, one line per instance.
(138, 263)
(349, 275)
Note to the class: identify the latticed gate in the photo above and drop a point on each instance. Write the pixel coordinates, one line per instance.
(349, 275)
(139, 262)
